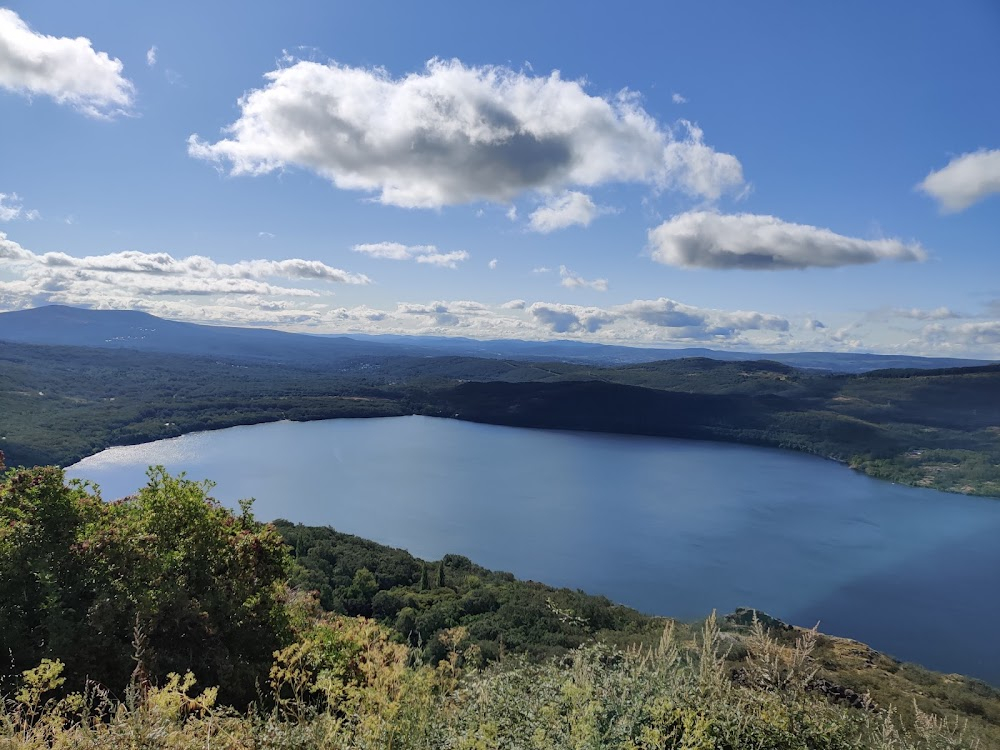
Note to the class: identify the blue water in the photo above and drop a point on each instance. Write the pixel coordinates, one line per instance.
(670, 527)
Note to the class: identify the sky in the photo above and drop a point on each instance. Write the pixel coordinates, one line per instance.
(777, 176)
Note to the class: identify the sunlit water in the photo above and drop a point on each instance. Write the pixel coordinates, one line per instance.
(671, 527)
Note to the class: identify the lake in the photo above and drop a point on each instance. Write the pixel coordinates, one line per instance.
(671, 527)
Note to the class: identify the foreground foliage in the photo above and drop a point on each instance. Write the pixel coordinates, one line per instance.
(115, 614)
(345, 684)
(164, 581)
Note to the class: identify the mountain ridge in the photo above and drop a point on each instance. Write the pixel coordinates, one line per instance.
(133, 329)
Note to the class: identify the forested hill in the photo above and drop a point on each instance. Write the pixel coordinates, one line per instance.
(933, 428)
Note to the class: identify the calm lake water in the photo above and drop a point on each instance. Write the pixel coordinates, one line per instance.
(670, 527)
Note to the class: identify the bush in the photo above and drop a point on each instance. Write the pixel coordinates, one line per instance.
(163, 581)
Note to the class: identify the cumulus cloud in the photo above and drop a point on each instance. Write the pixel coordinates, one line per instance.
(151, 56)
(965, 180)
(647, 321)
(70, 71)
(11, 251)
(665, 313)
(699, 170)
(703, 239)
(656, 320)
(247, 293)
(560, 318)
(964, 336)
(570, 208)
(689, 322)
(812, 324)
(445, 313)
(678, 98)
(541, 269)
(454, 134)
(571, 280)
(492, 265)
(420, 253)
(132, 279)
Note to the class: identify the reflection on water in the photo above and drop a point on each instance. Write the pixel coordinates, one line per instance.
(669, 526)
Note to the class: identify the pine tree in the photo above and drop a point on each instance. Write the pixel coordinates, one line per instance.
(424, 578)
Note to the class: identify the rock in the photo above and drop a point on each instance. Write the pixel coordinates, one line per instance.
(743, 617)
(840, 694)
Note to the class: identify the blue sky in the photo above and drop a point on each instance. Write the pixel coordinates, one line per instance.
(772, 176)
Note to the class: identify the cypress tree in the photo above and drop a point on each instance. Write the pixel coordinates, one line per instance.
(440, 575)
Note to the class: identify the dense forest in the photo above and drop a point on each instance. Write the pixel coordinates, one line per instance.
(166, 620)
(932, 428)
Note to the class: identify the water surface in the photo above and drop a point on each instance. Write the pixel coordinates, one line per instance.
(671, 527)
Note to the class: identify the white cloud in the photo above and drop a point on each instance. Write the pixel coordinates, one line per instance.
(492, 265)
(9, 211)
(565, 210)
(151, 56)
(131, 277)
(560, 318)
(541, 269)
(702, 239)
(915, 313)
(694, 323)
(68, 70)
(699, 170)
(266, 235)
(846, 337)
(11, 251)
(678, 98)
(965, 180)
(656, 321)
(454, 134)
(641, 321)
(812, 324)
(445, 313)
(245, 293)
(11, 208)
(665, 313)
(420, 253)
(571, 280)
(965, 336)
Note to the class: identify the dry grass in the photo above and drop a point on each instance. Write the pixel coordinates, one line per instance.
(346, 684)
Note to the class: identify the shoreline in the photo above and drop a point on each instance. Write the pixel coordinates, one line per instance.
(847, 463)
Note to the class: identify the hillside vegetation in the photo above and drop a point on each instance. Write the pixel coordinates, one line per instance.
(930, 428)
(165, 620)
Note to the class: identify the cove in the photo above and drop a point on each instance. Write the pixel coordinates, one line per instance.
(671, 527)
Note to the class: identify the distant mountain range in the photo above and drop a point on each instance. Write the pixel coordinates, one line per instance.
(61, 325)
